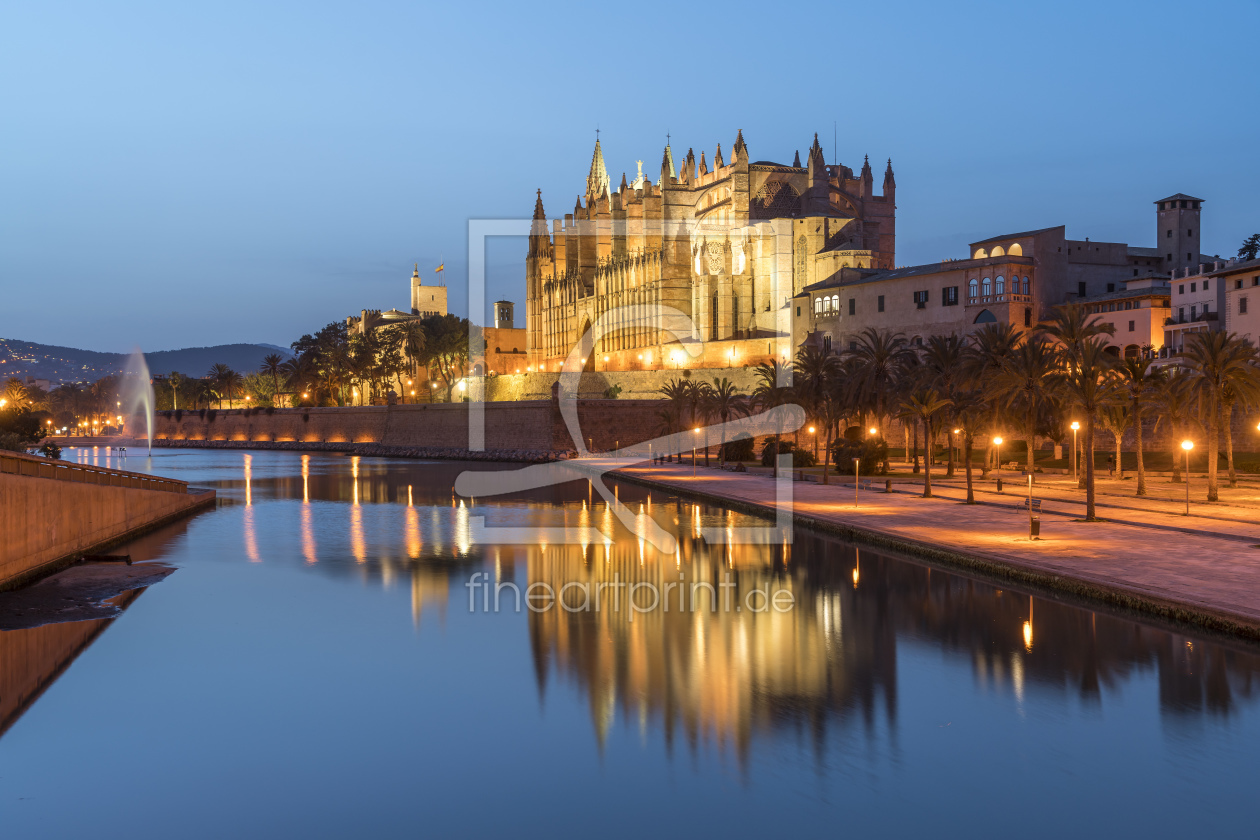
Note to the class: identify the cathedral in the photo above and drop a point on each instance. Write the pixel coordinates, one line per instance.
(729, 245)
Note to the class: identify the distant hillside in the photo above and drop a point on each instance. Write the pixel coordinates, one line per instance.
(67, 364)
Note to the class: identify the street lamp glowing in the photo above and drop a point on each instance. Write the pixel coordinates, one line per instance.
(305, 395)
(1075, 425)
(811, 430)
(1187, 445)
(998, 441)
(872, 430)
(957, 431)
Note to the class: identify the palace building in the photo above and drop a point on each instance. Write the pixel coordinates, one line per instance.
(729, 246)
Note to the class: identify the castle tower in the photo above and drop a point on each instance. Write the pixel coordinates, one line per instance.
(1177, 231)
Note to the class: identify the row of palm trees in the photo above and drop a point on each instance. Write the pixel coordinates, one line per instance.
(999, 380)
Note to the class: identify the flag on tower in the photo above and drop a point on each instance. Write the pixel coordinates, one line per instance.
(440, 267)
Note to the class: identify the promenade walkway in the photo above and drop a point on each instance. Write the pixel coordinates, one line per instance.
(1197, 568)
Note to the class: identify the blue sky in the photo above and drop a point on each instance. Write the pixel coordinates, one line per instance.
(177, 174)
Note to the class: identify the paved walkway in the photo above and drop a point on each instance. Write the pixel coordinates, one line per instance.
(1163, 560)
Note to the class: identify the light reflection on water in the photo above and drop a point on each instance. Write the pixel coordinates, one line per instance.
(892, 697)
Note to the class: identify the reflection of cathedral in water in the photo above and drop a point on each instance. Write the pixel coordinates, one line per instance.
(723, 678)
(716, 677)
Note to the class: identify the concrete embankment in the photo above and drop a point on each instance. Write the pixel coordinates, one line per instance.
(52, 512)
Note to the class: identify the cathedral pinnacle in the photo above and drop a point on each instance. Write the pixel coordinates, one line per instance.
(718, 163)
(888, 174)
(740, 149)
(597, 180)
(538, 207)
(704, 167)
(797, 160)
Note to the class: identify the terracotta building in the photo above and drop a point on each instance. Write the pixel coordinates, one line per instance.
(1016, 278)
(728, 246)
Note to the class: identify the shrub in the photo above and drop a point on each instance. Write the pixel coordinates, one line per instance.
(872, 455)
(50, 451)
(739, 449)
(12, 442)
(800, 457)
(612, 392)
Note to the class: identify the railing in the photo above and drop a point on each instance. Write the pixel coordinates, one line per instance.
(16, 464)
(1005, 297)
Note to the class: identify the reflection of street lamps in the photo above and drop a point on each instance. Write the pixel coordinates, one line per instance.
(1187, 445)
(1075, 426)
(856, 463)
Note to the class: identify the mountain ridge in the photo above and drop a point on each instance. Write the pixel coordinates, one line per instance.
(59, 364)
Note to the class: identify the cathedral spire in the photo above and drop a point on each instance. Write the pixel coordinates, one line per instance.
(815, 151)
(888, 176)
(597, 180)
(624, 185)
(718, 163)
(866, 166)
(538, 208)
(740, 149)
(797, 161)
(704, 167)
(668, 172)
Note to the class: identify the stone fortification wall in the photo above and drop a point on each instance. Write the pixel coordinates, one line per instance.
(635, 384)
(528, 427)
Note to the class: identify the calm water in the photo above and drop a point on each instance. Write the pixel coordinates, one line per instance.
(313, 670)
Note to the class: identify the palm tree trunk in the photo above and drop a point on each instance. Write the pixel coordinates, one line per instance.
(1229, 444)
(827, 455)
(916, 447)
(1213, 453)
(1089, 467)
(949, 438)
(1031, 440)
(1137, 442)
(927, 462)
(1176, 462)
(971, 496)
(1119, 468)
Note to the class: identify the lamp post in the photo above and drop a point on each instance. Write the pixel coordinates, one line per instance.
(1075, 427)
(856, 463)
(1188, 445)
(693, 454)
(997, 453)
(814, 432)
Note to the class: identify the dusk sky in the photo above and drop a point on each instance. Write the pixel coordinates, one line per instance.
(176, 175)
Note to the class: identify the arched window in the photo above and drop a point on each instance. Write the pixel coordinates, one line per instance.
(1016, 250)
(1027, 287)
(984, 287)
(980, 254)
(818, 305)
(985, 317)
(998, 252)
(973, 288)
(999, 286)
(835, 303)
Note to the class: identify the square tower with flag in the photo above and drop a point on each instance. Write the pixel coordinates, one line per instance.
(428, 300)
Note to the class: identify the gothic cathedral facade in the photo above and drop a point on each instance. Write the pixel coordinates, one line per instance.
(728, 246)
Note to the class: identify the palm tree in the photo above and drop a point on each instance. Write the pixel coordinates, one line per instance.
(772, 392)
(879, 360)
(271, 364)
(231, 382)
(1222, 368)
(943, 359)
(971, 412)
(1087, 380)
(175, 380)
(990, 346)
(15, 394)
(1024, 380)
(1174, 401)
(923, 405)
(414, 341)
(1116, 419)
(1137, 381)
(217, 374)
(724, 403)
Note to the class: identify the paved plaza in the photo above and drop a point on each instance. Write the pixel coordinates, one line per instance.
(1208, 562)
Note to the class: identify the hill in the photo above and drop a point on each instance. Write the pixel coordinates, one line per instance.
(68, 364)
